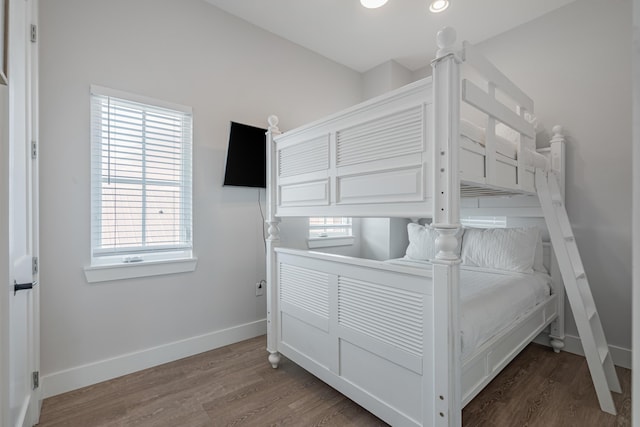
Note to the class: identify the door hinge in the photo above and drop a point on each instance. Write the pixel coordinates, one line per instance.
(35, 376)
(34, 265)
(34, 33)
(34, 150)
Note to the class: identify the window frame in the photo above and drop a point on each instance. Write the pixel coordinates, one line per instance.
(331, 239)
(141, 260)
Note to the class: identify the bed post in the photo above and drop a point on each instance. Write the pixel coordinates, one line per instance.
(273, 240)
(557, 152)
(446, 391)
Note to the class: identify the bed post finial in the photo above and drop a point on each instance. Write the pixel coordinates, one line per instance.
(445, 38)
(557, 157)
(558, 135)
(273, 122)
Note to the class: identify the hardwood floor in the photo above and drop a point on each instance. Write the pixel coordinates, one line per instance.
(235, 386)
(541, 388)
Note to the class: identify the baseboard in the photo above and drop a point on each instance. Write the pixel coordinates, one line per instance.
(621, 356)
(103, 370)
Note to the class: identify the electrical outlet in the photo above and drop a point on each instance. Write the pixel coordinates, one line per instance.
(260, 288)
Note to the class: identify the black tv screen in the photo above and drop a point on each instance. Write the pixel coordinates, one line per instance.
(246, 157)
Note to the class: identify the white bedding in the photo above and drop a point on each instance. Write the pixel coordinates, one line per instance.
(491, 300)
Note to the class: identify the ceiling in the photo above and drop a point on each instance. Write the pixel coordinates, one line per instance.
(402, 30)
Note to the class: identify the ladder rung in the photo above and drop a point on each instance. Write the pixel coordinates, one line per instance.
(569, 238)
(591, 312)
(580, 275)
(603, 352)
(565, 227)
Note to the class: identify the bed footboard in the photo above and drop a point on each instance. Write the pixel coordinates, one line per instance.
(362, 326)
(365, 328)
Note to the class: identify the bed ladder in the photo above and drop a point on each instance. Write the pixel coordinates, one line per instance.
(594, 343)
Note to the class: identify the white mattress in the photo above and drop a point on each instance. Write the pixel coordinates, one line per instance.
(491, 300)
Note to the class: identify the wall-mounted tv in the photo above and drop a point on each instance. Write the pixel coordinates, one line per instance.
(246, 156)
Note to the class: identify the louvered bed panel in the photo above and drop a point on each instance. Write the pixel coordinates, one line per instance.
(340, 317)
(393, 135)
(398, 138)
(304, 302)
(380, 328)
(392, 316)
(306, 290)
(303, 173)
(373, 159)
(305, 157)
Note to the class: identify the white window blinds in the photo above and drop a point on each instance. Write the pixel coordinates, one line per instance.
(141, 176)
(484, 221)
(330, 227)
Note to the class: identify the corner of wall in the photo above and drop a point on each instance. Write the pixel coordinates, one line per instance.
(387, 76)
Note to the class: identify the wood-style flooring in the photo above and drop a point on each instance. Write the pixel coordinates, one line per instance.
(235, 386)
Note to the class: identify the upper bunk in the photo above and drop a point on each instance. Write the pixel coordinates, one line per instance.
(380, 157)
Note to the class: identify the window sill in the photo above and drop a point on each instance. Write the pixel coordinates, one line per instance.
(104, 273)
(328, 242)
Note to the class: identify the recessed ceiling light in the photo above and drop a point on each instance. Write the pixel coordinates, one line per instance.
(438, 6)
(372, 4)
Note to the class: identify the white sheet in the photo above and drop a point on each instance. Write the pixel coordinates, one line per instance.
(491, 300)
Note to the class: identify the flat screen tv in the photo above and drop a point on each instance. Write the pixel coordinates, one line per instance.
(246, 156)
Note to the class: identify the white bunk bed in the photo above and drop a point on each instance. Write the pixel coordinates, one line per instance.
(387, 334)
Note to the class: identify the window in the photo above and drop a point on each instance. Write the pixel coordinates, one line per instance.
(330, 231)
(320, 227)
(141, 197)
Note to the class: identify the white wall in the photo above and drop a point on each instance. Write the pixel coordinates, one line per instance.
(385, 77)
(575, 63)
(187, 52)
(383, 238)
(376, 235)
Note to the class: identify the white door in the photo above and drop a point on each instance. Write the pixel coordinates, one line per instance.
(21, 361)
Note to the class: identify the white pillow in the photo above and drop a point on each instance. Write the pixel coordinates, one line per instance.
(510, 249)
(422, 242)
